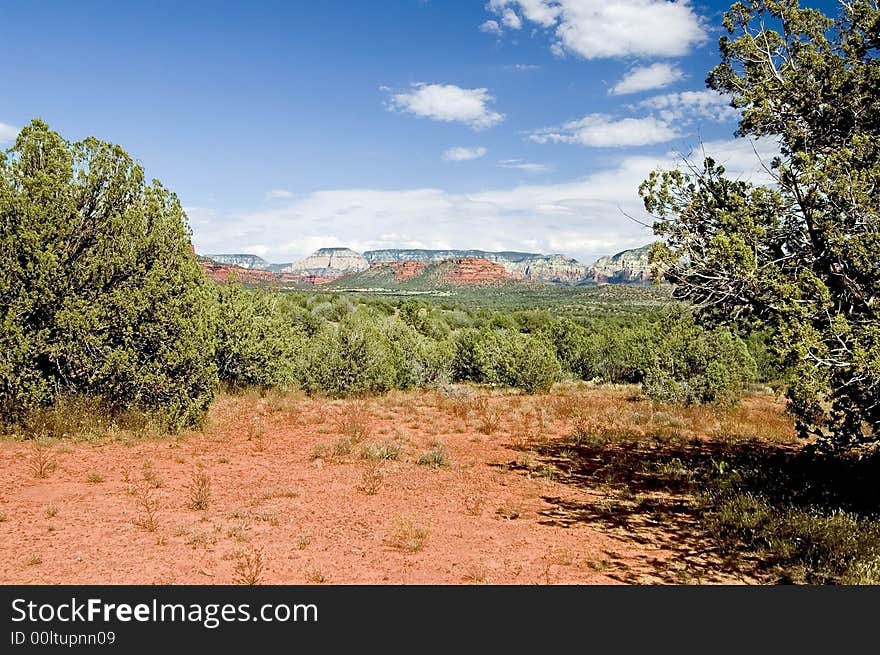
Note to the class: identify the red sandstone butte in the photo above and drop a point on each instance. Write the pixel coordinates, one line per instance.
(472, 270)
(406, 270)
(222, 273)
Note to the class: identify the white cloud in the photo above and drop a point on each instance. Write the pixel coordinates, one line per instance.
(582, 218)
(613, 28)
(522, 165)
(689, 105)
(602, 131)
(8, 133)
(510, 19)
(463, 154)
(523, 68)
(447, 102)
(278, 194)
(538, 11)
(642, 78)
(490, 27)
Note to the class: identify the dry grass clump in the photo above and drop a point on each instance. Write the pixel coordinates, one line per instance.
(147, 505)
(355, 422)
(249, 567)
(386, 450)
(85, 418)
(488, 417)
(475, 572)
(200, 490)
(94, 477)
(407, 535)
(314, 575)
(40, 461)
(436, 457)
(372, 479)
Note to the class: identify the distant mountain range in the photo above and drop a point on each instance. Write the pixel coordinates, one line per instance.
(440, 266)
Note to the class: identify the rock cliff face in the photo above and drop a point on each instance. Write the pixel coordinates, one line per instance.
(404, 270)
(434, 267)
(251, 262)
(525, 265)
(327, 264)
(224, 273)
(626, 267)
(473, 270)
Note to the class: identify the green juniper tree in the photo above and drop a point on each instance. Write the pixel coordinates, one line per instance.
(100, 292)
(799, 258)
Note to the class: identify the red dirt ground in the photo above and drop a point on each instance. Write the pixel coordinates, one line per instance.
(310, 517)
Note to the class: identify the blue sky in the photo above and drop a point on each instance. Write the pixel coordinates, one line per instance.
(283, 127)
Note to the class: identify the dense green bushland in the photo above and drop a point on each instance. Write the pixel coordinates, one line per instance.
(100, 293)
(343, 345)
(103, 300)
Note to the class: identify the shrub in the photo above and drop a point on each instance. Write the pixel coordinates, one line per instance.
(418, 361)
(502, 357)
(353, 358)
(100, 292)
(257, 342)
(537, 367)
(695, 365)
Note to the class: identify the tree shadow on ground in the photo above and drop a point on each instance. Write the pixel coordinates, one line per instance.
(657, 492)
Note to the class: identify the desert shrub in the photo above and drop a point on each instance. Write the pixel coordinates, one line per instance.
(484, 355)
(257, 343)
(532, 320)
(100, 292)
(354, 357)
(503, 357)
(537, 366)
(418, 360)
(767, 366)
(619, 354)
(696, 365)
(415, 314)
(569, 339)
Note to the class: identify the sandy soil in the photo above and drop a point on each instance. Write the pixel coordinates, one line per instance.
(276, 488)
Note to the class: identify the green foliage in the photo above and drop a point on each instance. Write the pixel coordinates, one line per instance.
(100, 292)
(507, 358)
(692, 365)
(800, 260)
(258, 343)
(354, 357)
